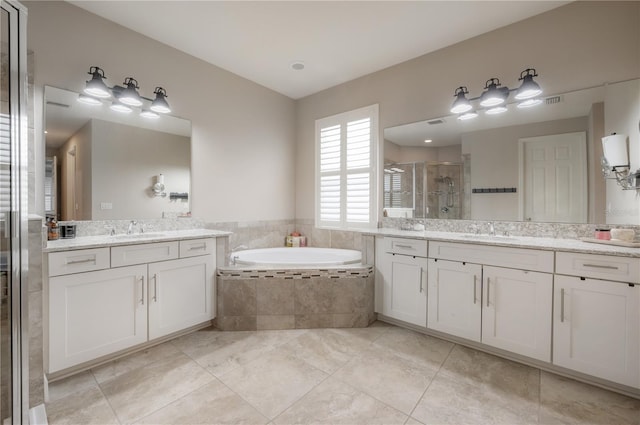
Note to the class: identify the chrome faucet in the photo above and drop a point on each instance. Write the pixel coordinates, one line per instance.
(130, 228)
(492, 229)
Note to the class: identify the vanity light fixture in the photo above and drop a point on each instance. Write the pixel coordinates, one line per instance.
(89, 100)
(118, 106)
(495, 96)
(125, 96)
(96, 86)
(130, 96)
(160, 104)
(149, 114)
(428, 141)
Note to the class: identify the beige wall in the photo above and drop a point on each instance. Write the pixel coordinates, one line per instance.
(243, 134)
(402, 154)
(622, 116)
(575, 46)
(125, 163)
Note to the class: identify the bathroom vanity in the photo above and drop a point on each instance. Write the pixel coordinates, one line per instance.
(108, 295)
(562, 305)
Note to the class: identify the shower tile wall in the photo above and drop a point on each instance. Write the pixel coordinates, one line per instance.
(445, 191)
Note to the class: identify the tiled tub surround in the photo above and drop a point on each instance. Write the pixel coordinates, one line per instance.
(251, 299)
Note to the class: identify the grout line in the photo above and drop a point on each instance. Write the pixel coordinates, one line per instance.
(432, 379)
(115, 414)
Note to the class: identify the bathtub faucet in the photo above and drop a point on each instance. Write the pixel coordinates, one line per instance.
(232, 257)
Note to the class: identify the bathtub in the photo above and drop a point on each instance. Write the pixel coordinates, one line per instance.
(294, 288)
(296, 257)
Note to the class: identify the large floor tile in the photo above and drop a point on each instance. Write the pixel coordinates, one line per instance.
(138, 393)
(134, 361)
(391, 379)
(213, 403)
(334, 402)
(273, 382)
(327, 349)
(415, 346)
(87, 407)
(81, 382)
(501, 376)
(565, 401)
(449, 400)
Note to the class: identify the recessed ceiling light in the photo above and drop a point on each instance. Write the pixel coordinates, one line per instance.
(297, 66)
(46, 132)
(428, 141)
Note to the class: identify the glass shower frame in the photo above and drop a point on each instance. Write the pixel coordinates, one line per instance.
(13, 215)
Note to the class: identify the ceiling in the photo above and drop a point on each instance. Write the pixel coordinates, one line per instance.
(337, 41)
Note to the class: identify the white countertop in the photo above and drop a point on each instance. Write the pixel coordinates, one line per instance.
(551, 244)
(137, 238)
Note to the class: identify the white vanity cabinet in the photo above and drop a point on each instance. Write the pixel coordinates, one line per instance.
(401, 279)
(516, 311)
(147, 293)
(455, 298)
(596, 321)
(93, 314)
(492, 295)
(180, 294)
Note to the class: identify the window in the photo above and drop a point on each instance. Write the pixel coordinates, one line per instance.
(346, 151)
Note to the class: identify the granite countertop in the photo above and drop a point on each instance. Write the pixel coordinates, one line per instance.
(101, 241)
(550, 244)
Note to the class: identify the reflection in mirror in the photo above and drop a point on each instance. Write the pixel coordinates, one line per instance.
(102, 165)
(534, 164)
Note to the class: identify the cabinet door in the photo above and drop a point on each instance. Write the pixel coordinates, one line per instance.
(596, 328)
(455, 298)
(95, 313)
(517, 310)
(405, 289)
(181, 294)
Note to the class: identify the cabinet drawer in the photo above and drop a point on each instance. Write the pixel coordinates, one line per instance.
(514, 258)
(128, 255)
(415, 247)
(195, 247)
(622, 269)
(83, 260)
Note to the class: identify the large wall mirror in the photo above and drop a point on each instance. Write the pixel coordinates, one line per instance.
(103, 165)
(537, 164)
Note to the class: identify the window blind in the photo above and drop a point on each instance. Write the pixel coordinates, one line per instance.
(346, 148)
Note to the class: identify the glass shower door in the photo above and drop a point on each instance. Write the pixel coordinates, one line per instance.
(13, 216)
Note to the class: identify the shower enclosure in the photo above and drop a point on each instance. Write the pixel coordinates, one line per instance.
(445, 190)
(14, 358)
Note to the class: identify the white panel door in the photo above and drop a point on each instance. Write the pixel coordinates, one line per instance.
(517, 310)
(96, 313)
(554, 178)
(405, 288)
(455, 298)
(181, 294)
(597, 328)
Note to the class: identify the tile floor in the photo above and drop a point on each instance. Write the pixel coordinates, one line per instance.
(377, 375)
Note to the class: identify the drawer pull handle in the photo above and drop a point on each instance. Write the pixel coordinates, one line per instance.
(488, 288)
(88, 260)
(404, 246)
(197, 248)
(142, 286)
(562, 305)
(155, 287)
(475, 294)
(600, 266)
(421, 278)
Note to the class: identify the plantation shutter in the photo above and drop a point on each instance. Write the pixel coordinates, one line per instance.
(346, 148)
